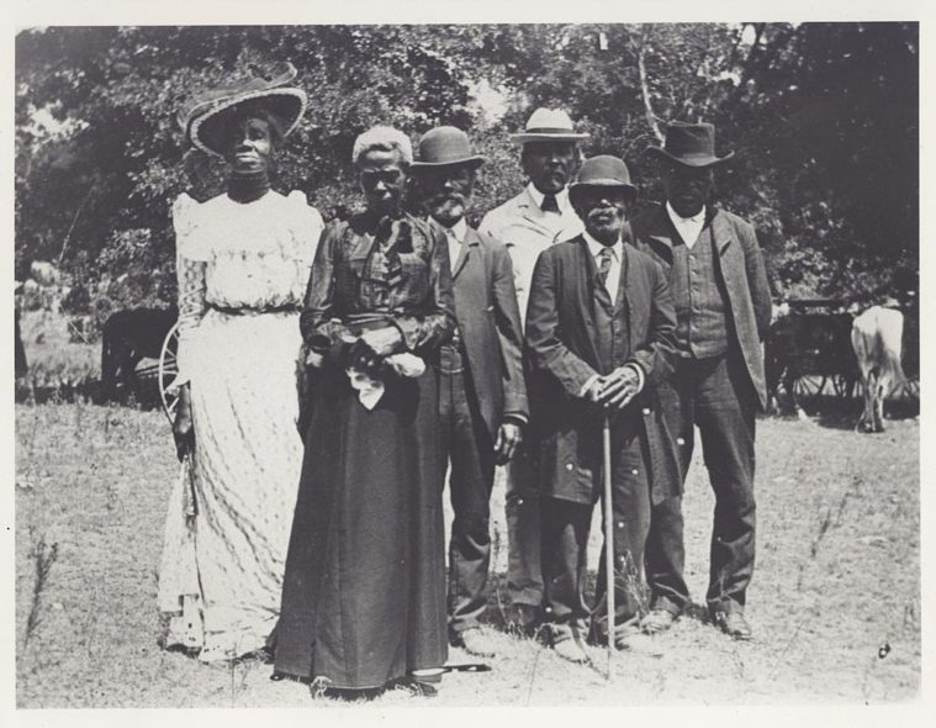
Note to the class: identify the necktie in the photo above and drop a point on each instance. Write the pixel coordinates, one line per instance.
(454, 245)
(604, 266)
(549, 203)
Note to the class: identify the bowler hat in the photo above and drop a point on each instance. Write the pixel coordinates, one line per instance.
(205, 117)
(445, 146)
(548, 125)
(603, 171)
(690, 144)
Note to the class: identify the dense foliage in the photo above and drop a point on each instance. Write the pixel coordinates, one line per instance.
(823, 119)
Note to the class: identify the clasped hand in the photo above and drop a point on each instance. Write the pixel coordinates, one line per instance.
(368, 352)
(615, 390)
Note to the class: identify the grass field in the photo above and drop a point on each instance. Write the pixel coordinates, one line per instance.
(835, 602)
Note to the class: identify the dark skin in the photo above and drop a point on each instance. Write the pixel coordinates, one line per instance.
(687, 188)
(603, 211)
(549, 165)
(446, 195)
(250, 145)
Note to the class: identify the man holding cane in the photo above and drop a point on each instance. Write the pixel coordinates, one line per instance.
(599, 334)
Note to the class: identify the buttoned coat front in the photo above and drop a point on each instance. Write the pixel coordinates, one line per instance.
(740, 265)
(561, 345)
(489, 324)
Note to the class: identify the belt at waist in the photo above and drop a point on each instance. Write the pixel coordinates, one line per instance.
(245, 311)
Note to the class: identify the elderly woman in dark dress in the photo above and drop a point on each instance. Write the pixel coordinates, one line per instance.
(364, 592)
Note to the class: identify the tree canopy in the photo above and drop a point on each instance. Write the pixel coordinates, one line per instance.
(823, 119)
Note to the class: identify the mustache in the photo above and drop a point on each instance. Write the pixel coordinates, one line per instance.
(446, 197)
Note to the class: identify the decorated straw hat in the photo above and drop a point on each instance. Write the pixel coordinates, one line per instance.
(603, 170)
(205, 117)
(548, 125)
(690, 144)
(445, 146)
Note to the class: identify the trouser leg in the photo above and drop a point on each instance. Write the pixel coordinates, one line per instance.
(522, 508)
(630, 508)
(470, 483)
(565, 551)
(665, 555)
(726, 417)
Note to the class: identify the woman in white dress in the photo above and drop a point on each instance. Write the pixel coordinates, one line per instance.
(243, 262)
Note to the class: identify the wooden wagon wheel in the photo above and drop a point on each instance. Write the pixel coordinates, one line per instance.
(912, 388)
(842, 385)
(807, 386)
(168, 371)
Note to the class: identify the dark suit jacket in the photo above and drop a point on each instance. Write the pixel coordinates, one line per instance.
(561, 348)
(740, 264)
(489, 324)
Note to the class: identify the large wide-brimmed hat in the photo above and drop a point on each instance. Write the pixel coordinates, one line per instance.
(205, 117)
(690, 144)
(445, 146)
(548, 125)
(603, 170)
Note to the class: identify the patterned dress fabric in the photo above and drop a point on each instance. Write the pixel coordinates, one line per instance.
(242, 272)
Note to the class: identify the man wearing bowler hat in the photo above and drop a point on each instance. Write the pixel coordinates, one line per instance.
(483, 402)
(599, 333)
(716, 271)
(528, 224)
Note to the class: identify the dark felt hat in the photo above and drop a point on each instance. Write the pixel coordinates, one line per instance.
(445, 146)
(205, 117)
(690, 144)
(603, 170)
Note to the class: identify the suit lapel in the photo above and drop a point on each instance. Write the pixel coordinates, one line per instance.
(470, 241)
(588, 280)
(721, 231)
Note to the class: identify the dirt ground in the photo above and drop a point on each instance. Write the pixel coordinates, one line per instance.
(835, 601)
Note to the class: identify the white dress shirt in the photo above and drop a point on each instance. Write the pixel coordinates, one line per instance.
(562, 199)
(455, 236)
(687, 227)
(613, 281)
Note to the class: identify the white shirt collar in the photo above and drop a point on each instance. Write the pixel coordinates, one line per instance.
(595, 248)
(459, 230)
(562, 198)
(687, 227)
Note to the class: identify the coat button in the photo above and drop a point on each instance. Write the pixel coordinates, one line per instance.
(680, 440)
(646, 410)
(634, 471)
(569, 466)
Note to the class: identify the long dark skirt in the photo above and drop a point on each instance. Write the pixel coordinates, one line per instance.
(364, 590)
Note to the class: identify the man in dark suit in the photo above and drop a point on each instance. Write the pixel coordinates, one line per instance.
(716, 271)
(483, 402)
(599, 334)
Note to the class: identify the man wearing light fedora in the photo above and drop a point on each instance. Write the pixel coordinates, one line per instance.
(599, 337)
(483, 402)
(722, 296)
(528, 224)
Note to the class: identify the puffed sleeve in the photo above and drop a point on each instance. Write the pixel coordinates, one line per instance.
(191, 260)
(319, 323)
(307, 232)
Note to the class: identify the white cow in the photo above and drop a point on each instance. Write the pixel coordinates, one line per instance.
(876, 338)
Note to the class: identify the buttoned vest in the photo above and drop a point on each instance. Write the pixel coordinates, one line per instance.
(701, 323)
(611, 324)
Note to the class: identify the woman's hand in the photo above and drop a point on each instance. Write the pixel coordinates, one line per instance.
(182, 428)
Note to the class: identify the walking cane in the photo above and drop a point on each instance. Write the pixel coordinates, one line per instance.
(609, 534)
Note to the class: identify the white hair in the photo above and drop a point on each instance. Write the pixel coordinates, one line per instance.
(386, 139)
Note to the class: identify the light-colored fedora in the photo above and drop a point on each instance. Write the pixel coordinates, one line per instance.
(204, 118)
(445, 146)
(548, 125)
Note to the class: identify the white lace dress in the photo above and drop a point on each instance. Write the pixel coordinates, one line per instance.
(243, 271)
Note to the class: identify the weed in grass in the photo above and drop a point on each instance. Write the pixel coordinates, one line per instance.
(43, 556)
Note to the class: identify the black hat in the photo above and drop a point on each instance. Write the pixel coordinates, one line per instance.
(690, 144)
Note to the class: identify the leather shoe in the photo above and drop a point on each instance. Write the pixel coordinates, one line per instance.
(733, 624)
(476, 641)
(658, 620)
